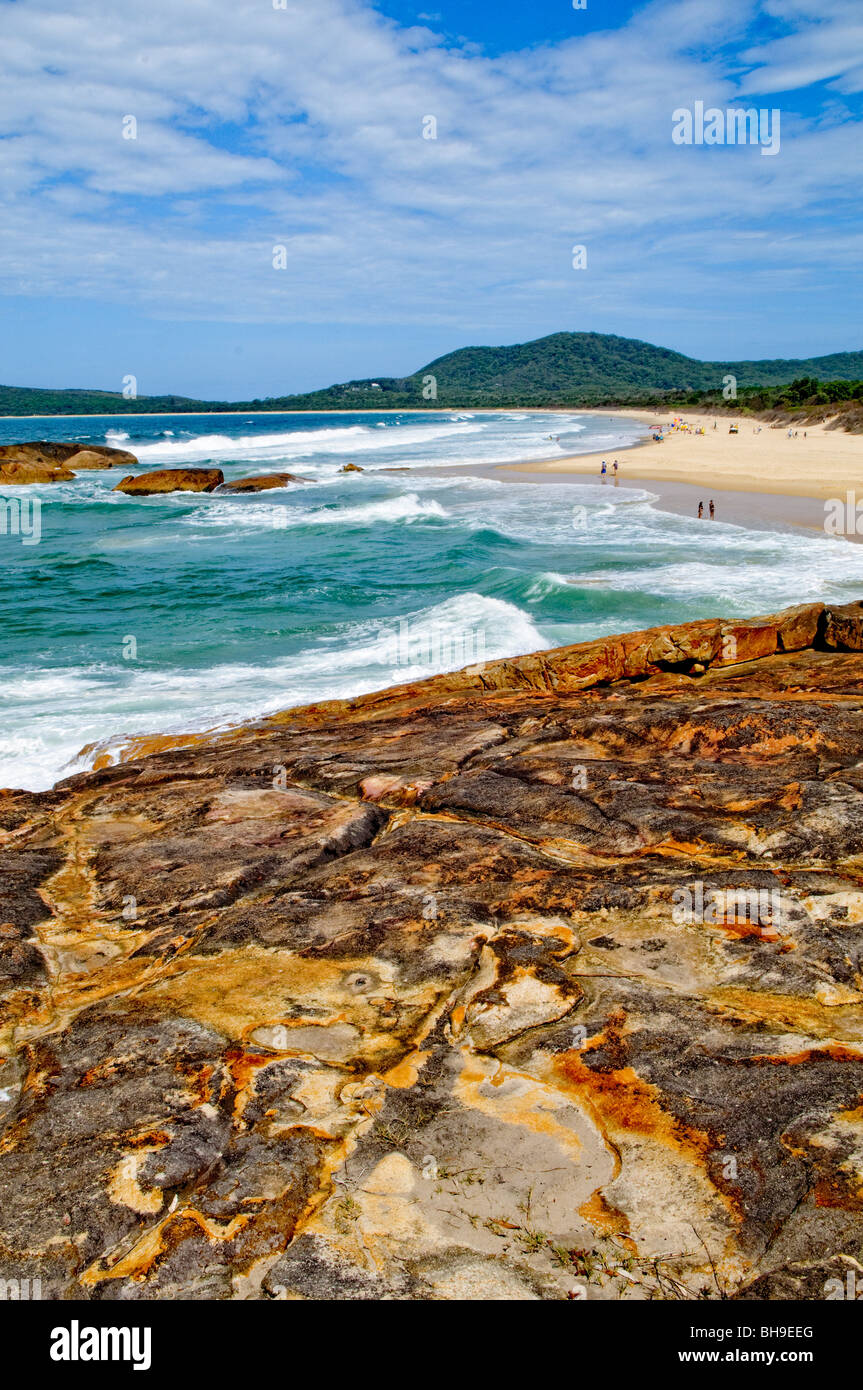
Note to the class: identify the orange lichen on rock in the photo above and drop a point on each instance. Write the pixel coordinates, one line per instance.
(438, 1011)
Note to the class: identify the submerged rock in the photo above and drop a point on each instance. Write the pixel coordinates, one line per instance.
(171, 480)
(539, 976)
(263, 482)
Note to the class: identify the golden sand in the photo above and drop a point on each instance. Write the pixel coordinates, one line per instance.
(815, 462)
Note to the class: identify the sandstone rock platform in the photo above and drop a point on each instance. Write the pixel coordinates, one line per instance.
(416, 996)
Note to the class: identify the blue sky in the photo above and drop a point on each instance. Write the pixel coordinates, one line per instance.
(302, 126)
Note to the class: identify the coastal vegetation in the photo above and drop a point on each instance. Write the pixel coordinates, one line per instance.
(563, 369)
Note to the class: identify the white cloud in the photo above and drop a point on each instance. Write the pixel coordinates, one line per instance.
(303, 127)
(826, 46)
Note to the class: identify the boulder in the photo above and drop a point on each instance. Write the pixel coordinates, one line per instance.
(82, 456)
(50, 461)
(55, 451)
(262, 482)
(351, 468)
(798, 627)
(19, 472)
(843, 627)
(171, 480)
(97, 458)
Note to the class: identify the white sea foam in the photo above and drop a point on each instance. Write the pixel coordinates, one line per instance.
(242, 444)
(622, 543)
(544, 584)
(293, 443)
(457, 438)
(407, 507)
(62, 710)
(467, 628)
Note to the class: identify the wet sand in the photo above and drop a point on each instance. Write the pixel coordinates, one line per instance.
(817, 463)
(761, 511)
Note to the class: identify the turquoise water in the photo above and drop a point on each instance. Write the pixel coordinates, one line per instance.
(190, 611)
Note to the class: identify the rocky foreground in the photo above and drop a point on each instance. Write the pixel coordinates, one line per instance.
(530, 981)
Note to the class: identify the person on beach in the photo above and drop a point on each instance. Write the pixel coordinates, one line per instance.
(712, 509)
(604, 469)
(700, 510)
(615, 467)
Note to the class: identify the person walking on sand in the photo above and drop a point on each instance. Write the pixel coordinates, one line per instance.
(604, 469)
(712, 509)
(700, 510)
(615, 468)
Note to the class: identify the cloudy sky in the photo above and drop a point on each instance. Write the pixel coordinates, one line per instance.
(301, 124)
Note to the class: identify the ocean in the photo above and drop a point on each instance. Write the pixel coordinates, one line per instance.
(192, 611)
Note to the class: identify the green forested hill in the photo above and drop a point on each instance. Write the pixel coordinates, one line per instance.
(562, 369)
(33, 400)
(599, 363)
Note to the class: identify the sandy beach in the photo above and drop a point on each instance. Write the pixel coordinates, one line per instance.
(820, 463)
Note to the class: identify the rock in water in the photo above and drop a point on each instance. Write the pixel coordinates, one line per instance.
(351, 468)
(19, 472)
(263, 482)
(171, 480)
(487, 986)
(96, 458)
(49, 461)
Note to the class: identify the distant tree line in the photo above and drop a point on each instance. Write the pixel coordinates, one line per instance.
(563, 370)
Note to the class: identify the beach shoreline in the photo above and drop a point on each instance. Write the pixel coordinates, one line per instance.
(346, 410)
(815, 462)
(759, 477)
(759, 511)
(511, 584)
(675, 472)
